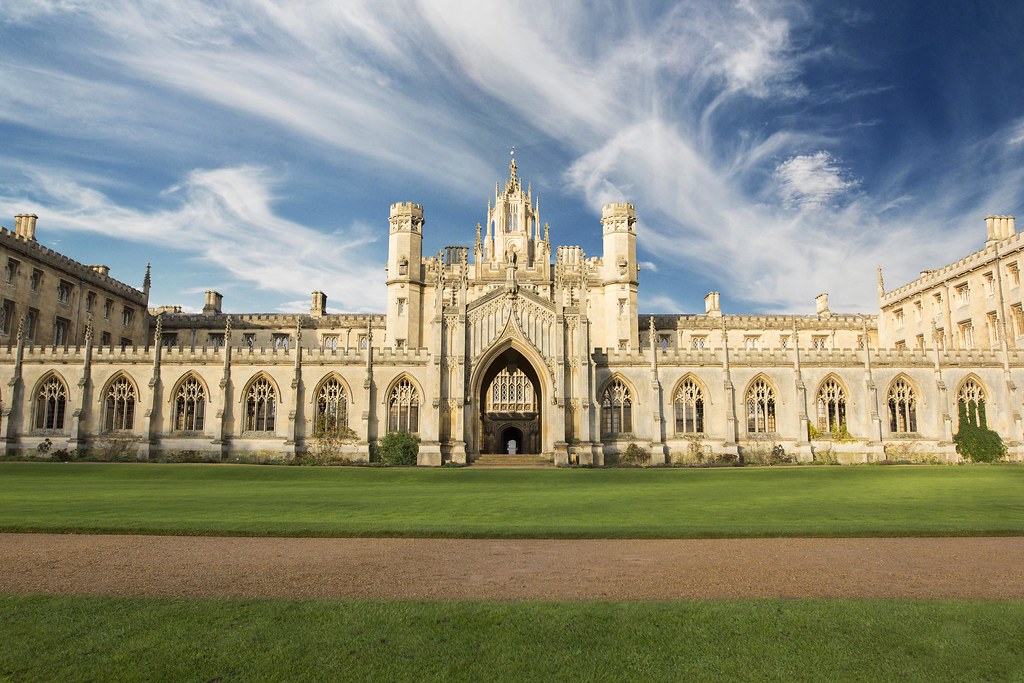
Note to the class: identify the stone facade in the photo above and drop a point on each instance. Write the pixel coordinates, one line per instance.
(513, 343)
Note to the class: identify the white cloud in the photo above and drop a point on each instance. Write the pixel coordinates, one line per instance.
(226, 218)
(648, 265)
(811, 180)
(428, 90)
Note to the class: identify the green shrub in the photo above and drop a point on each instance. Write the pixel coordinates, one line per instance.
(974, 439)
(635, 456)
(398, 448)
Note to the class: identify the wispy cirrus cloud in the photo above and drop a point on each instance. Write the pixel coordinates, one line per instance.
(226, 218)
(699, 112)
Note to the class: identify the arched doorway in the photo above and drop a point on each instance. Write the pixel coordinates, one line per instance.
(512, 437)
(510, 406)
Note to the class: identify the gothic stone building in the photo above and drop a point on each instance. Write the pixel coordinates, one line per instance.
(510, 344)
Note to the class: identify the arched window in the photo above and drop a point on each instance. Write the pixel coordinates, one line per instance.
(616, 409)
(972, 397)
(511, 392)
(331, 407)
(190, 406)
(51, 403)
(689, 403)
(120, 404)
(970, 391)
(760, 408)
(831, 406)
(902, 407)
(260, 406)
(404, 408)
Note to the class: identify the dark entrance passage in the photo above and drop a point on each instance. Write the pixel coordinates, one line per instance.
(510, 408)
(512, 437)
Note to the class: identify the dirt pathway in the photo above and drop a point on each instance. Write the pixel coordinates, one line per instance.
(451, 569)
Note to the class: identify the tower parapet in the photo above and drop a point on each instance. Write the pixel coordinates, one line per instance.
(406, 216)
(618, 217)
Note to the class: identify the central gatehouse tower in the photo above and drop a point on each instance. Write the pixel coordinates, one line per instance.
(508, 326)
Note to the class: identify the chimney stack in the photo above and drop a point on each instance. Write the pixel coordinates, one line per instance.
(213, 302)
(319, 306)
(712, 307)
(999, 228)
(25, 226)
(821, 305)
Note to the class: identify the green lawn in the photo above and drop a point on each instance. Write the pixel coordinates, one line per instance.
(91, 639)
(300, 501)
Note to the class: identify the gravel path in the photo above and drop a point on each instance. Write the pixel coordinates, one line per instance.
(455, 569)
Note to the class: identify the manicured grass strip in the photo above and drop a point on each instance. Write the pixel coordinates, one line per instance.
(298, 501)
(92, 638)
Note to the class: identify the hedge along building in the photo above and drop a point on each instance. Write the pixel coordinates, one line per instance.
(513, 340)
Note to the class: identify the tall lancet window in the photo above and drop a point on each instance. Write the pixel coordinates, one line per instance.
(760, 408)
(902, 407)
(616, 409)
(120, 405)
(260, 406)
(689, 405)
(404, 408)
(831, 406)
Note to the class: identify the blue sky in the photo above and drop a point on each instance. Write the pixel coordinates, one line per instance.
(773, 150)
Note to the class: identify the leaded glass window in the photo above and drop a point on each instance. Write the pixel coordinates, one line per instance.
(760, 408)
(831, 406)
(902, 407)
(331, 407)
(260, 406)
(51, 404)
(404, 408)
(616, 409)
(689, 405)
(190, 406)
(120, 404)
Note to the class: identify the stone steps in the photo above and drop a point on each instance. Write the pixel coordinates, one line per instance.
(513, 461)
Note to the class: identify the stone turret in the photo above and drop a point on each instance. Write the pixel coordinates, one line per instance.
(618, 223)
(405, 275)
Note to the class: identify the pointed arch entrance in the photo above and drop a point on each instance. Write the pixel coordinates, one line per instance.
(510, 405)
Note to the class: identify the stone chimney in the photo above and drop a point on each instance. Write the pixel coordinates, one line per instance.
(712, 305)
(213, 303)
(25, 226)
(999, 228)
(102, 270)
(821, 305)
(319, 306)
